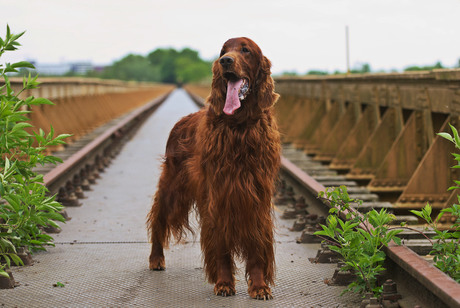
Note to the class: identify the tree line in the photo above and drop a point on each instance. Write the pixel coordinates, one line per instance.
(366, 68)
(166, 65)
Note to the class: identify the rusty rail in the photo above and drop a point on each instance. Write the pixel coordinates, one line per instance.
(435, 281)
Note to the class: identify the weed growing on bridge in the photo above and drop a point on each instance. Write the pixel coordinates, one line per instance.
(359, 240)
(25, 206)
(446, 249)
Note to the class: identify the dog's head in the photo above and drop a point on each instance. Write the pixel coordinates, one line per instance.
(241, 78)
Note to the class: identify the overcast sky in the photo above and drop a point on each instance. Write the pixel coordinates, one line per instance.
(297, 35)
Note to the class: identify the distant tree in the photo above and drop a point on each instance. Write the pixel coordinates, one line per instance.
(365, 68)
(289, 73)
(191, 71)
(161, 65)
(317, 72)
(132, 67)
(189, 67)
(437, 65)
(413, 68)
(179, 66)
(164, 60)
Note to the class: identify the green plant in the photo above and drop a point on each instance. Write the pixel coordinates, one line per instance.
(359, 239)
(446, 248)
(25, 206)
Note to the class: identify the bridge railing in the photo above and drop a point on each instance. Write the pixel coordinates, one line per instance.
(82, 104)
(380, 129)
(52, 88)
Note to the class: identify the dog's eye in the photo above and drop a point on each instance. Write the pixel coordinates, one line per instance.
(245, 50)
(222, 52)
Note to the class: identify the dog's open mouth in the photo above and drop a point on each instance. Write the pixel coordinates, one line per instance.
(237, 90)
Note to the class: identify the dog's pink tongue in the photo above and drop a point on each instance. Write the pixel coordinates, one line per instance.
(232, 102)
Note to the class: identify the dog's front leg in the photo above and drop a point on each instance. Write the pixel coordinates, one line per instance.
(225, 284)
(218, 260)
(257, 286)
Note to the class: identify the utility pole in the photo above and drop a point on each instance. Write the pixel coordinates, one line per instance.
(347, 49)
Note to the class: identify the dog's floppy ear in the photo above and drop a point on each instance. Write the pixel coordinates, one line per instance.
(218, 90)
(266, 95)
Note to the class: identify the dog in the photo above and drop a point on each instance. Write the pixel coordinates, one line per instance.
(223, 161)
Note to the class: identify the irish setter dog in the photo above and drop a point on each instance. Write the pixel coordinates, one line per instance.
(224, 159)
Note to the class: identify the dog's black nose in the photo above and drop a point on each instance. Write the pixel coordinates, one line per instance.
(226, 61)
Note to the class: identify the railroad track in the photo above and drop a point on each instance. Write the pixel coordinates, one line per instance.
(303, 178)
(407, 265)
(84, 159)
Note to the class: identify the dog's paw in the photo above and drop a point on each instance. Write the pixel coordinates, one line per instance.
(260, 292)
(224, 289)
(157, 263)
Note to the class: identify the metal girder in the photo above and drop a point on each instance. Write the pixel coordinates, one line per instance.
(358, 137)
(334, 110)
(309, 123)
(404, 156)
(377, 146)
(433, 175)
(339, 133)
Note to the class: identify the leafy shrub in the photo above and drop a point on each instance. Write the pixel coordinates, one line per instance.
(359, 240)
(446, 249)
(25, 206)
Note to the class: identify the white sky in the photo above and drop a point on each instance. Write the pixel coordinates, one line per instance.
(297, 35)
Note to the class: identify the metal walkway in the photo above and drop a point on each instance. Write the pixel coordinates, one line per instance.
(101, 255)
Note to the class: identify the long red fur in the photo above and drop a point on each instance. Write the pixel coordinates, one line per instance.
(226, 165)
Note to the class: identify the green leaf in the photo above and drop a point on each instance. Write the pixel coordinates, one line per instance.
(456, 137)
(427, 210)
(9, 69)
(7, 245)
(397, 240)
(18, 261)
(20, 126)
(41, 101)
(446, 136)
(335, 248)
(10, 47)
(16, 36)
(35, 242)
(22, 64)
(321, 232)
(63, 136)
(4, 274)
